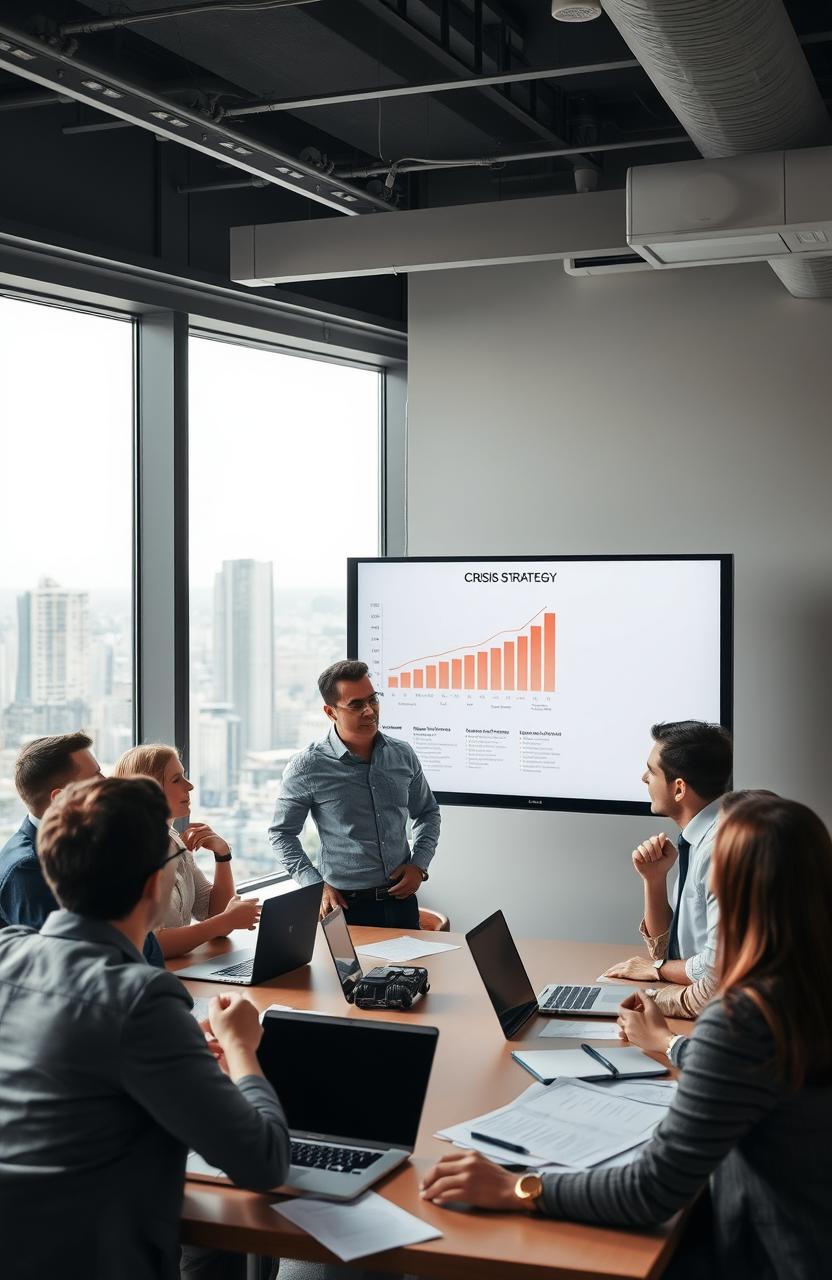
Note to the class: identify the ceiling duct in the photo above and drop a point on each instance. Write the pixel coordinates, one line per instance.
(736, 78)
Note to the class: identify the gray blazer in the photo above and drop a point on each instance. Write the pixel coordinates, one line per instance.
(105, 1082)
(766, 1152)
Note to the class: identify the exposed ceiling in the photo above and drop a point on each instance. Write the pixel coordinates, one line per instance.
(221, 64)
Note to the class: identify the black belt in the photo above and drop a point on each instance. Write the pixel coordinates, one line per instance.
(361, 895)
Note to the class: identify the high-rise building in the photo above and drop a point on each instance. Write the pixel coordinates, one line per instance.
(53, 645)
(244, 648)
(219, 755)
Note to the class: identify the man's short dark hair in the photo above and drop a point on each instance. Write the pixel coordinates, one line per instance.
(100, 840)
(328, 681)
(45, 764)
(701, 754)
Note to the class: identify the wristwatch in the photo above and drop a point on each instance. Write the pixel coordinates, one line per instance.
(421, 870)
(223, 857)
(657, 965)
(669, 1050)
(529, 1189)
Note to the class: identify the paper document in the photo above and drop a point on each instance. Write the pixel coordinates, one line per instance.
(369, 1224)
(404, 949)
(288, 1008)
(569, 1122)
(196, 1164)
(583, 1029)
(200, 1009)
(657, 1093)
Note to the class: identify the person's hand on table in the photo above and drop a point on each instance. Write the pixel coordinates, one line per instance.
(640, 1023)
(637, 968)
(198, 835)
(654, 857)
(405, 880)
(239, 913)
(233, 1023)
(469, 1177)
(330, 900)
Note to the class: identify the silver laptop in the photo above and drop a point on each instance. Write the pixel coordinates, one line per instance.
(346, 1127)
(285, 940)
(511, 993)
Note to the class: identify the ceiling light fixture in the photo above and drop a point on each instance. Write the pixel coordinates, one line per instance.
(22, 54)
(575, 12)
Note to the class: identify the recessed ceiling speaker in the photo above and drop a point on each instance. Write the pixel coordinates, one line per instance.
(575, 12)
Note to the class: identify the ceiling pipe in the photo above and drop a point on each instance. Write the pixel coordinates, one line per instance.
(431, 87)
(197, 188)
(22, 101)
(737, 80)
(184, 11)
(415, 165)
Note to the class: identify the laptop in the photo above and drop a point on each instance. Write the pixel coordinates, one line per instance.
(285, 940)
(347, 1128)
(347, 964)
(512, 994)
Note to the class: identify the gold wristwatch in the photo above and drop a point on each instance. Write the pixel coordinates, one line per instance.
(529, 1188)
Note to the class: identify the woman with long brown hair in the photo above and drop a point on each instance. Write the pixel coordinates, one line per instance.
(753, 1111)
(215, 906)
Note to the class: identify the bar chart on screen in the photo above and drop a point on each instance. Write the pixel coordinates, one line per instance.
(536, 678)
(522, 661)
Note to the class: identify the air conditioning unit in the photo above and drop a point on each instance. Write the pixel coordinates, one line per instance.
(766, 205)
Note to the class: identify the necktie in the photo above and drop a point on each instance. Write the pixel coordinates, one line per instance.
(683, 846)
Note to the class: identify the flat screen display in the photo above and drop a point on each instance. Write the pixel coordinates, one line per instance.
(533, 682)
(325, 1072)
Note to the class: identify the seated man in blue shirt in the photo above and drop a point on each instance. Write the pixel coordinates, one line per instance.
(106, 1078)
(360, 787)
(42, 769)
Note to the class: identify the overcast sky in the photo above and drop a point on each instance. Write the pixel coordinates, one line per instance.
(283, 456)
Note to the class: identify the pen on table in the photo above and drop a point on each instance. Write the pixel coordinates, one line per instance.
(498, 1142)
(599, 1057)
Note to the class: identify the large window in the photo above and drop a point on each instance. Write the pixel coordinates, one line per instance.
(66, 435)
(284, 475)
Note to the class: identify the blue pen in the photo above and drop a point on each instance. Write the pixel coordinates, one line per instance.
(599, 1057)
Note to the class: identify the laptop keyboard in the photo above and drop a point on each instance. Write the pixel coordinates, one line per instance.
(243, 970)
(572, 998)
(309, 1155)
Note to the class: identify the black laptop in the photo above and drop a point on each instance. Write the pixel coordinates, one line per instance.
(285, 940)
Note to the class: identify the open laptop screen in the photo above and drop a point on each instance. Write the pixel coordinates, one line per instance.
(503, 973)
(342, 951)
(326, 1074)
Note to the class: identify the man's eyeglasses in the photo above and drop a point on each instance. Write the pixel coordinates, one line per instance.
(358, 704)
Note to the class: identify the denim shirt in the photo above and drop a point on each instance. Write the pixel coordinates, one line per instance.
(361, 810)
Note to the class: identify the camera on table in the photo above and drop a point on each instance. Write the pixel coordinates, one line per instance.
(390, 987)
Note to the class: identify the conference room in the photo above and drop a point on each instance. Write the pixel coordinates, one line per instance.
(481, 342)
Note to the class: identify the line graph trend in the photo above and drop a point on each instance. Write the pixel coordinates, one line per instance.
(462, 648)
(525, 662)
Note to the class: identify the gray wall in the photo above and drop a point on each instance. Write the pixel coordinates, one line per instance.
(666, 411)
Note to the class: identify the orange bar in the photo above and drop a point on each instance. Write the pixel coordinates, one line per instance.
(534, 681)
(418, 678)
(496, 668)
(470, 682)
(508, 664)
(456, 673)
(444, 677)
(392, 682)
(430, 677)
(482, 670)
(522, 662)
(549, 652)
(405, 679)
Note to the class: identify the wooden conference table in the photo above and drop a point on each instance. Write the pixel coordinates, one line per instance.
(473, 1072)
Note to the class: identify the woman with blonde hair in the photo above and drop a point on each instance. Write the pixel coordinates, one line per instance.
(752, 1115)
(216, 906)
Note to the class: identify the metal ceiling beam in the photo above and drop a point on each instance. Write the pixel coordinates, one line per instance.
(40, 62)
(434, 86)
(183, 11)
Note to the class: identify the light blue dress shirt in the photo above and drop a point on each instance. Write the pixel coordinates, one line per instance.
(698, 909)
(360, 808)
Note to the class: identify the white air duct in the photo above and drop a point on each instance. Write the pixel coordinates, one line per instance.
(735, 76)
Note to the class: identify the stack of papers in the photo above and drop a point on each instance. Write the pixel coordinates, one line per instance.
(583, 1029)
(568, 1123)
(369, 1224)
(404, 949)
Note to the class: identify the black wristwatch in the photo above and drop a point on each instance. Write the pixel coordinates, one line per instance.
(223, 857)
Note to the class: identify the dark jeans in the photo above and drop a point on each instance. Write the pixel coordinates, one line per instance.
(389, 913)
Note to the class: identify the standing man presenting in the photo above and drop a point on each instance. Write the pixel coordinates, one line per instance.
(688, 771)
(360, 787)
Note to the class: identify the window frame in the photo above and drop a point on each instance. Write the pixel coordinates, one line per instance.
(165, 309)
